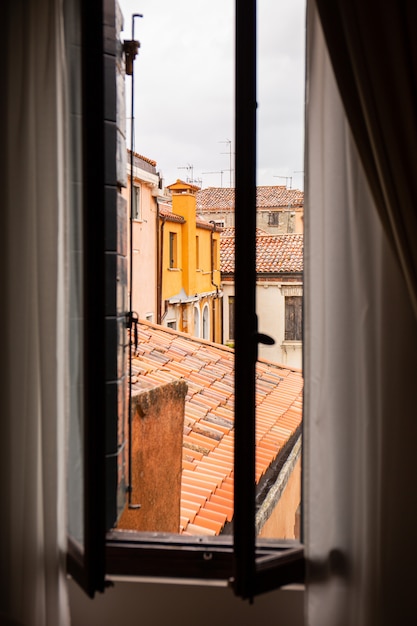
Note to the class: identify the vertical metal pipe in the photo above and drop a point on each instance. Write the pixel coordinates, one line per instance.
(132, 145)
(245, 280)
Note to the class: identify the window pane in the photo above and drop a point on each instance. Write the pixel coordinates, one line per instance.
(175, 235)
(280, 267)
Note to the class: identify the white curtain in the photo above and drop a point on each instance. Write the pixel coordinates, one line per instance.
(360, 382)
(33, 513)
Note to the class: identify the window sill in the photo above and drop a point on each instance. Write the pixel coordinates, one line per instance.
(174, 269)
(199, 560)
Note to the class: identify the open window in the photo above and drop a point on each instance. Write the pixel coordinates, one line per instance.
(249, 565)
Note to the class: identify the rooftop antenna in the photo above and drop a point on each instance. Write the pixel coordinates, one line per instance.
(287, 178)
(191, 179)
(229, 143)
(298, 172)
(189, 168)
(219, 172)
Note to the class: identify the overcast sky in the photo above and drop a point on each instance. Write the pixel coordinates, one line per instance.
(184, 88)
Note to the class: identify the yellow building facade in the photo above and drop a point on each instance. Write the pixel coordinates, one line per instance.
(190, 294)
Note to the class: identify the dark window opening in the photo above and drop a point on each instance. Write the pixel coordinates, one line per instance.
(273, 219)
(293, 318)
(173, 250)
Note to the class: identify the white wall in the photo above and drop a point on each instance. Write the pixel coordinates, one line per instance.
(270, 308)
(150, 604)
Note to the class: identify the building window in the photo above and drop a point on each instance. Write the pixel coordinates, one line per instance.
(149, 317)
(231, 317)
(215, 253)
(136, 203)
(172, 324)
(197, 252)
(173, 261)
(206, 322)
(219, 223)
(196, 321)
(293, 318)
(273, 219)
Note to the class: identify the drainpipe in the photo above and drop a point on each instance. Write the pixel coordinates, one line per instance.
(213, 308)
(160, 254)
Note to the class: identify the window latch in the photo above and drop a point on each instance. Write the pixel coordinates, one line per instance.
(264, 339)
(132, 321)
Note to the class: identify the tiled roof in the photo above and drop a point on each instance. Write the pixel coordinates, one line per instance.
(181, 186)
(170, 216)
(203, 223)
(272, 196)
(143, 158)
(166, 212)
(229, 231)
(274, 254)
(165, 355)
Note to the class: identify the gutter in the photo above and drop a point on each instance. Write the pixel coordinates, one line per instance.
(159, 254)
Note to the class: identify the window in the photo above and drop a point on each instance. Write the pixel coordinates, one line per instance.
(196, 321)
(173, 261)
(293, 318)
(206, 322)
(273, 218)
(136, 208)
(215, 253)
(253, 566)
(197, 252)
(172, 324)
(231, 317)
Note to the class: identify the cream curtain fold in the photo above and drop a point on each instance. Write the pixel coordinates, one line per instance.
(33, 588)
(360, 383)
(373, 51)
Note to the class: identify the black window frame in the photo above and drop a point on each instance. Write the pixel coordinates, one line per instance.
(248, 565)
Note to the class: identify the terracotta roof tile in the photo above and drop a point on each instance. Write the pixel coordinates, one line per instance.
(207, 478)
(275, 254)
(143, 158)
(271, 196)
(170, 216)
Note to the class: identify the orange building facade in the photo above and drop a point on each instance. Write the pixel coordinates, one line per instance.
(190, 295)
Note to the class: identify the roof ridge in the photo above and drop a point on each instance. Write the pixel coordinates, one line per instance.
(180, 333)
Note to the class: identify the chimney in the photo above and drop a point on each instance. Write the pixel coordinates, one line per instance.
(184, 203)
(157, 434)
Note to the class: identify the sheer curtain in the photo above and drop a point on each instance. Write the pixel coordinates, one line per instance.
(32, 404)
(360, 379)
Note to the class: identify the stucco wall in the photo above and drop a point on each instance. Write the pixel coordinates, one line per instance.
(156, 478)
(144, 257)
(282, 522)
(270, 307)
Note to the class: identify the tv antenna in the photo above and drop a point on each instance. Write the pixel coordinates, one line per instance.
(229, 143)
(286, 178)
(190, 177)
(221, 172)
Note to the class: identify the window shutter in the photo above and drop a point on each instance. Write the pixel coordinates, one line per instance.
(293, 318)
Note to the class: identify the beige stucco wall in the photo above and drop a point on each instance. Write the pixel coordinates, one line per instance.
(282, 522)
(270, 307)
